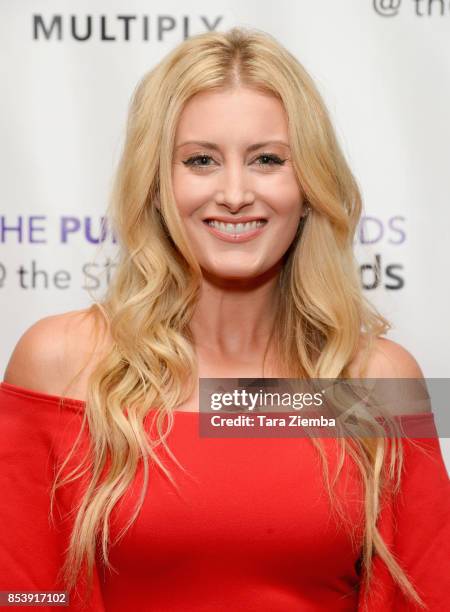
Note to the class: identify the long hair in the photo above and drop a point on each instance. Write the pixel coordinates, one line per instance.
(150, 300)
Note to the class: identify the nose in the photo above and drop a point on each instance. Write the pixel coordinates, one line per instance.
(234, 192)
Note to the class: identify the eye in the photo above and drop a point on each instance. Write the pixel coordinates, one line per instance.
(268, 159)
(273, 159)
(191, 161)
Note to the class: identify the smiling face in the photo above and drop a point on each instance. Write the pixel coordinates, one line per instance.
(221, 170)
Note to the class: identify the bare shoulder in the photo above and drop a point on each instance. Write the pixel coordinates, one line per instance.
(53, 350)
(387, 359)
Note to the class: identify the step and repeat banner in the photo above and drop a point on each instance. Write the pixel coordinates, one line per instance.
(69, 69)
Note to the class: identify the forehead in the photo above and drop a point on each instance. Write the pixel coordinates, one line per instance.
(230, 115)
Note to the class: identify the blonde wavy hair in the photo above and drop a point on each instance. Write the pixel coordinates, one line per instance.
(151, 298)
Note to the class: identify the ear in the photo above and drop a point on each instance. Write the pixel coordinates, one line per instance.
(157, 203)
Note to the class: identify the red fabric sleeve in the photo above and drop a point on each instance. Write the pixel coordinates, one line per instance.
(416, 527)
(33, 432)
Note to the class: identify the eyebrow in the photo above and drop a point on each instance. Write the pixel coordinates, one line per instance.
(213, 145)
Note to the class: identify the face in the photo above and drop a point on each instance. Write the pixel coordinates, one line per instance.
(223, 172)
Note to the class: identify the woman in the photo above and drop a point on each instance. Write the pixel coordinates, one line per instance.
(227, 129)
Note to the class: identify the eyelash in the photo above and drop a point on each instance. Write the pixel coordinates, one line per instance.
(274, 158)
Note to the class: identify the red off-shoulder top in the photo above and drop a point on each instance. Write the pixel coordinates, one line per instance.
(250, 528)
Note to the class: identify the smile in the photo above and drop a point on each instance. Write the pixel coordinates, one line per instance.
(235, 232)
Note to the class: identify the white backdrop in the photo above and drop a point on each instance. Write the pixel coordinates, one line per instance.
(383, 68)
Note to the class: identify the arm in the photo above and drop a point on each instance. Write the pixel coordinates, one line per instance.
(416, 528)
(35, 434)
(416, 524)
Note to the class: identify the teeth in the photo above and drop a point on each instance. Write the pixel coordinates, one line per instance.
(235, 228)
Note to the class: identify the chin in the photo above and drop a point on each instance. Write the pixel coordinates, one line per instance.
(231, 275)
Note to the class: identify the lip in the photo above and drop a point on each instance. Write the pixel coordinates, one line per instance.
(236, 238)
(234, 219)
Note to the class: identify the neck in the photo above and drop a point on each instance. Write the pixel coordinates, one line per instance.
(234, 319)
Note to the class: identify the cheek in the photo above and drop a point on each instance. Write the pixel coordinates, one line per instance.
(190, 192)
(285, 196)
